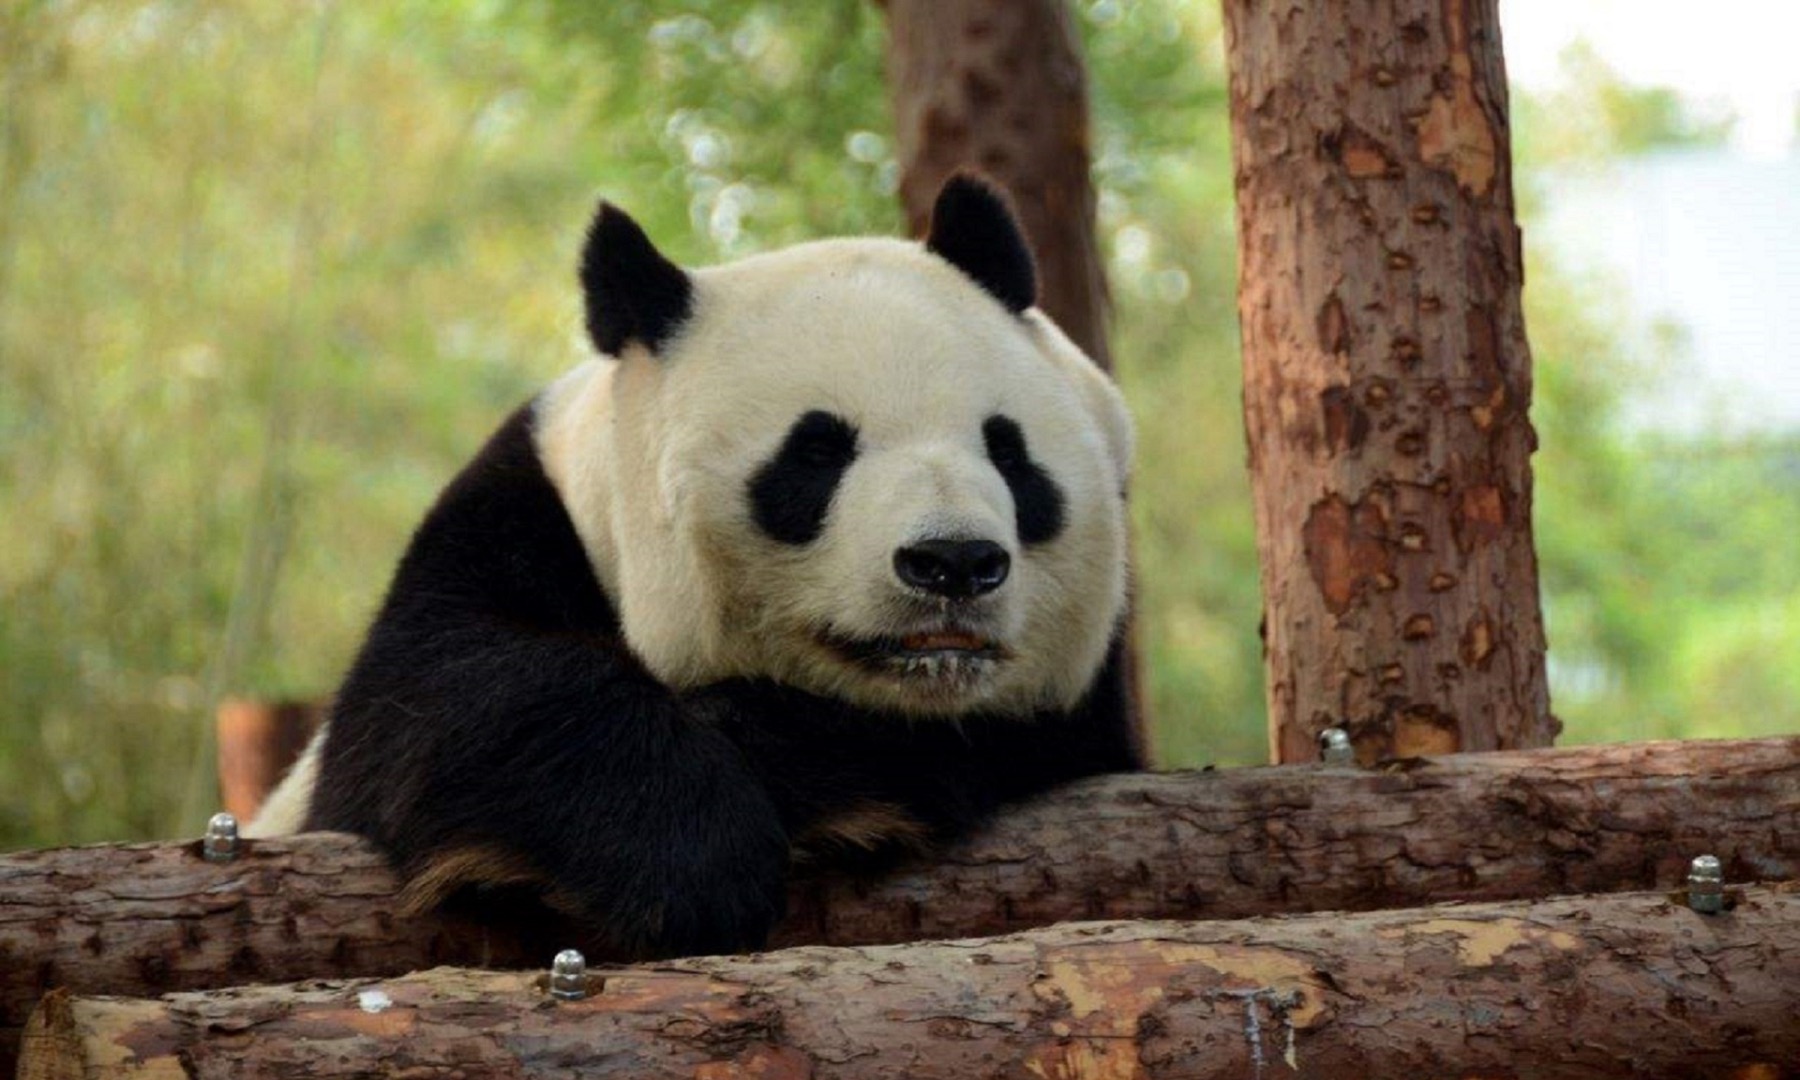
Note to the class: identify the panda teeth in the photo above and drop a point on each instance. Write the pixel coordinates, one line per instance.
(941, 666)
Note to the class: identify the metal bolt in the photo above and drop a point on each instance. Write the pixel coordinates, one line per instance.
(221, 843)
(1706, 885)
(1335, 748)
(568, 976)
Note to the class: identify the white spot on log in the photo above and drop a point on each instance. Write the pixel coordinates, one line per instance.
(374, 1001)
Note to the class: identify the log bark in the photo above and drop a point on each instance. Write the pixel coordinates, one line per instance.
(1386, 376)
(146, 919)
(1635, 985)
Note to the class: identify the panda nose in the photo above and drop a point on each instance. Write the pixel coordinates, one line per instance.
(957, 569)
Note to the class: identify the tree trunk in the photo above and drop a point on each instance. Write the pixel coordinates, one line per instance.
(151, 918)
(1634, 986)
(999, 85)
(1386, 376)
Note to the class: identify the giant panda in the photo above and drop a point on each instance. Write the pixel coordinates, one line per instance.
(823, 556)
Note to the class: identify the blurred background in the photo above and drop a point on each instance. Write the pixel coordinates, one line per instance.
(271, 270)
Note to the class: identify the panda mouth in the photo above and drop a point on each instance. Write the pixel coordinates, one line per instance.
(921, 653)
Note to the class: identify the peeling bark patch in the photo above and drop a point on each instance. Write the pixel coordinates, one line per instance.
(1485, 413)
(1425, 731)
(1109, 992)
(1482, 518)
(1478, 640)
(1361, 156)
(1087, 1059)
(1479, 943)
(1419, 627)
(1334, 327)
(141, 1045)
(1346, 425)
(1346, 547)
(1455, 132)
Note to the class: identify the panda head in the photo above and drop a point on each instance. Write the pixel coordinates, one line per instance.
(867, 468)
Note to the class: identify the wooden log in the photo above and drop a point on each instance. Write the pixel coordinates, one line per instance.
(1386, 376)
(146, 919)
(1634, 985)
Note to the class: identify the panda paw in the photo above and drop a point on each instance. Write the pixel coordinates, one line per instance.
(690, 859)
(697, 895)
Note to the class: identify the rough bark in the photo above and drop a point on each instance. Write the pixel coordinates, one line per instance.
(152, 918)
(258, 742)
(1635, 985)
(1386, 376)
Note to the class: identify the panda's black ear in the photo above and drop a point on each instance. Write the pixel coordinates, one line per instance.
(973, 227)
(632, 292)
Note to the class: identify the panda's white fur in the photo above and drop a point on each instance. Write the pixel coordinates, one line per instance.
(284, 811)
(651, 455)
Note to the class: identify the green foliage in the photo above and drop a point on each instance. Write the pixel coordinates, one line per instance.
(1668, 569)
(269, 272)
(1598, 114)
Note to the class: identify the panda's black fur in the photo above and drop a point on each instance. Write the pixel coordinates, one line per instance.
(495, 728)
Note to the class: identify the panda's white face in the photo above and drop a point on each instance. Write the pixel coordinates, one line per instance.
(854, 471)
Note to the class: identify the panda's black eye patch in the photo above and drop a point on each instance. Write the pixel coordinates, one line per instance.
(791, 493)
(1037, 501)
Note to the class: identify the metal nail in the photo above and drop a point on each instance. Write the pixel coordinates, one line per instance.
(221, 843)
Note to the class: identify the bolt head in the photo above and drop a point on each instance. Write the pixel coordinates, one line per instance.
(568, 976)
(1335, 748)
(221, 843)
(1706, 885)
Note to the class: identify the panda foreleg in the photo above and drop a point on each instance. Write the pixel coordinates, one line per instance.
(513, 758)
